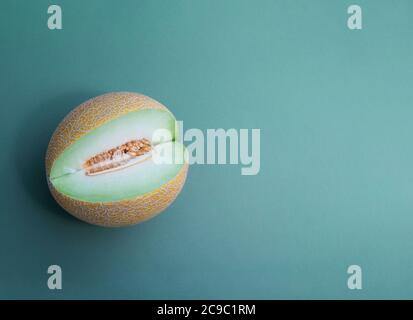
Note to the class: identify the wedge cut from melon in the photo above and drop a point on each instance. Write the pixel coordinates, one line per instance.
(134, 175)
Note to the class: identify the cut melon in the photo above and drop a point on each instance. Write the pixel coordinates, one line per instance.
(120, 171)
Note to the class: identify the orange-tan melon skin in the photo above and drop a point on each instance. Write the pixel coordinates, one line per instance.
(127, 212)
(86, 117)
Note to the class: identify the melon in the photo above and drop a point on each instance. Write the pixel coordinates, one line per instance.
(107, 164)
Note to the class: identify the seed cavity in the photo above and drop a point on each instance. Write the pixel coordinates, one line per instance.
(123, 156)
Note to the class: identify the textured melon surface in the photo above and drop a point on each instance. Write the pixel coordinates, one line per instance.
(85, 175)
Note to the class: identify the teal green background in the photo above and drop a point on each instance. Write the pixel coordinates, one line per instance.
(335, 111)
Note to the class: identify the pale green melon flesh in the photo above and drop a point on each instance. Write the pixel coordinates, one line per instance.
(134, 125)
(69, 178)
